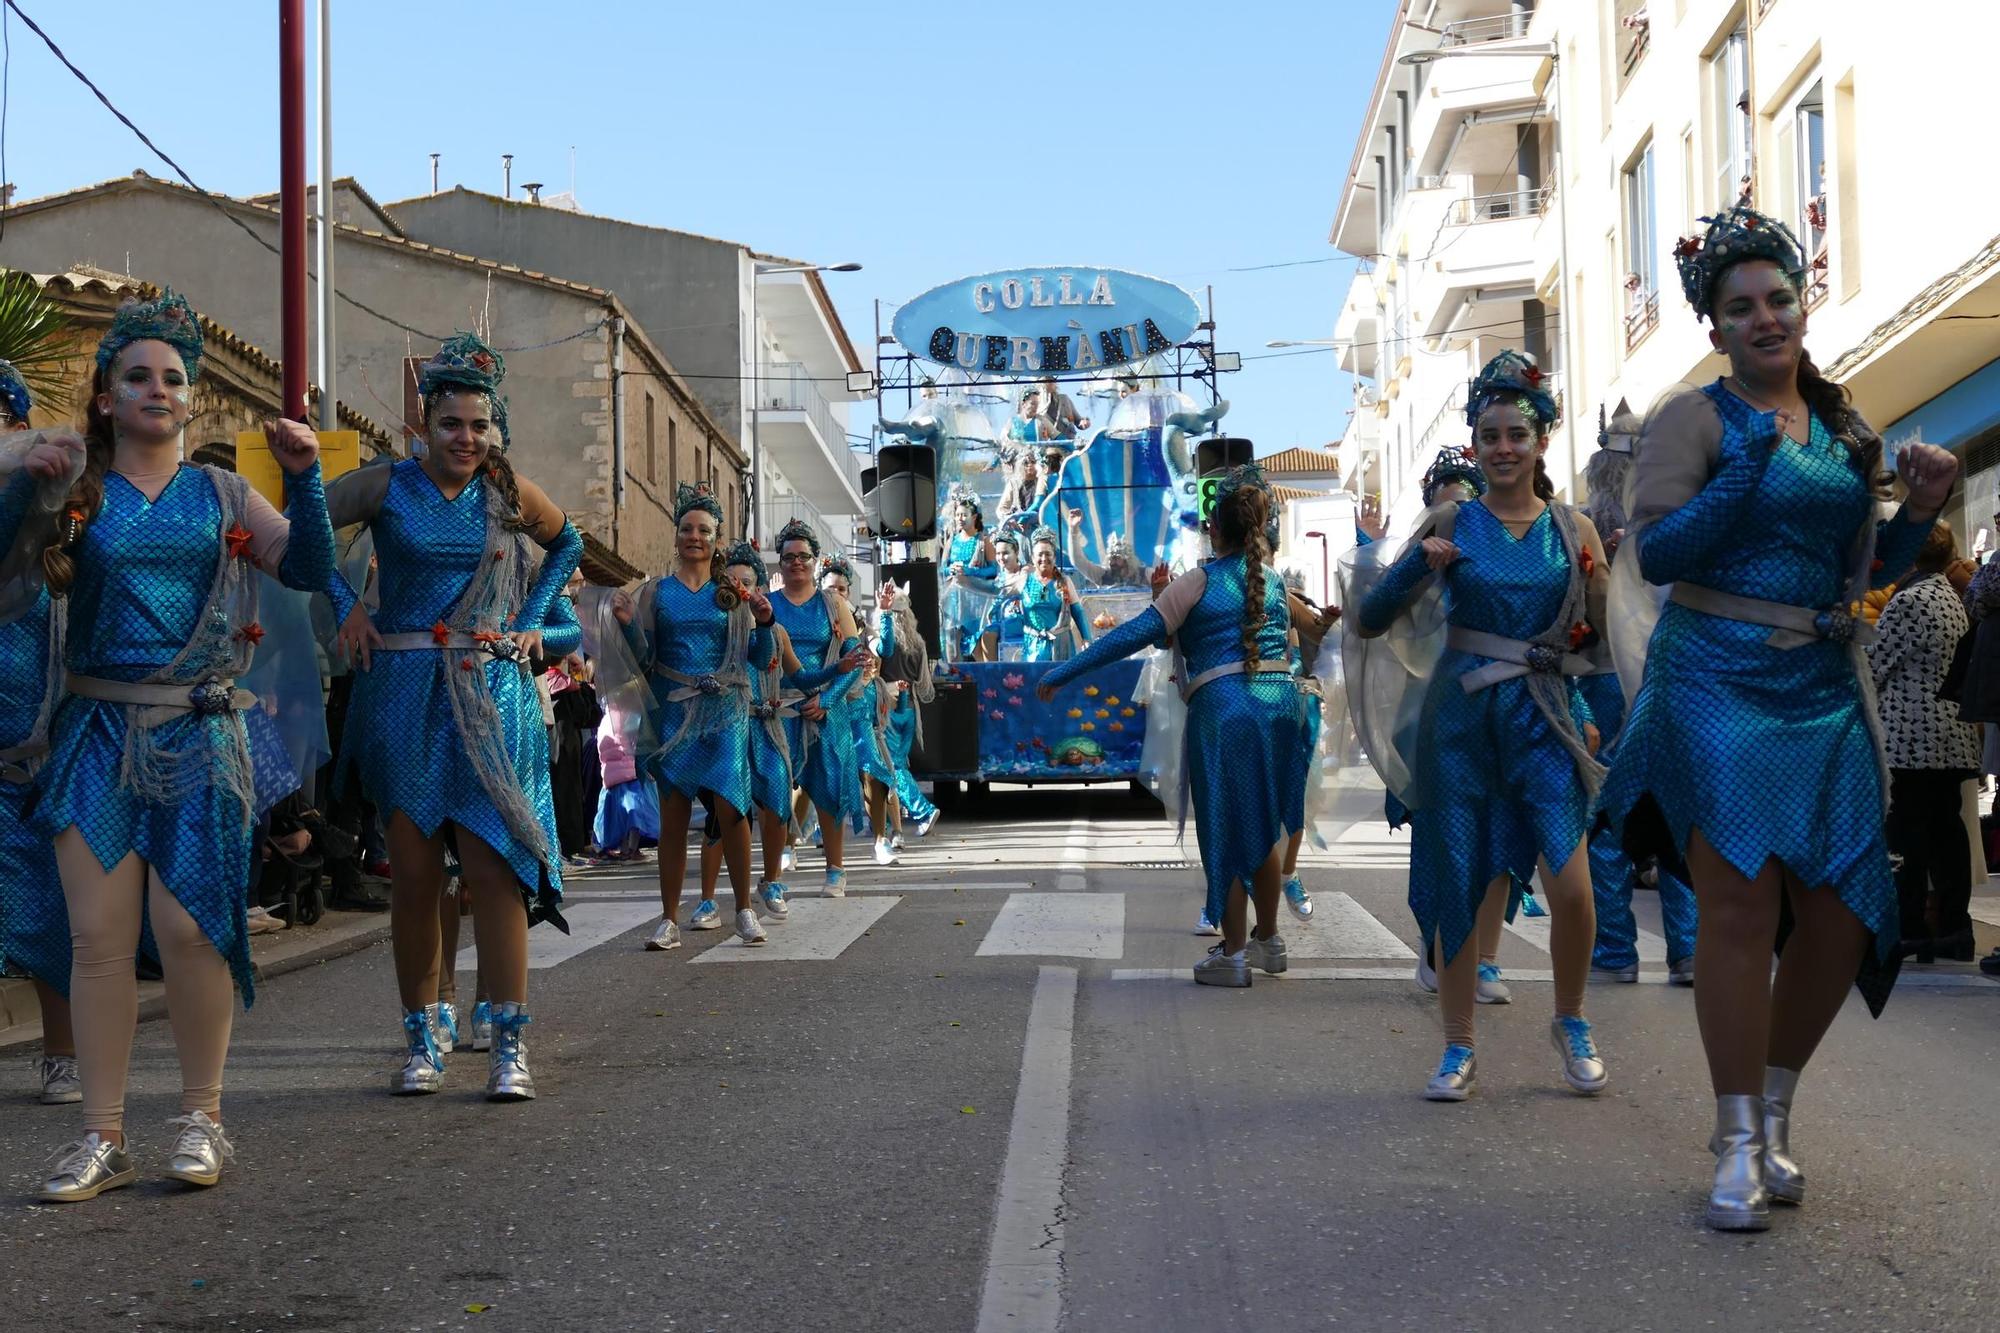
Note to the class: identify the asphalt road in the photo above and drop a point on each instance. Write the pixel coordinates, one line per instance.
(982, 1093)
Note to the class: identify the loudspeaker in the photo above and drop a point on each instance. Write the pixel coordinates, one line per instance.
(950, 731)
(871, 504)
(919, 581)
(906, 491)
(1221, 454)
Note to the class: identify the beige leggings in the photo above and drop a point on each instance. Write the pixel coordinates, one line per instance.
(104, 914)
(1572, 932)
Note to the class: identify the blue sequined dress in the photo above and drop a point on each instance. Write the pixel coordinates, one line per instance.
(1612, 873)
(962, 611)
(706, 746)
(1244, 729)
(402, 739)
(826, 760)
(146, 571)
(1495, 784)
(34, 922)
(1047, 621)
(1768, 751)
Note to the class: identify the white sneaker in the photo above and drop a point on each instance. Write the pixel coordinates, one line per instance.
(668, 936)
(748, 928)
(836, 883)
(61, 1084)
(885, 854)
(1427, 977)
(787, 862)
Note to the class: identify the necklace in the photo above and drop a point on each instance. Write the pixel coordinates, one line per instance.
(1755, 400)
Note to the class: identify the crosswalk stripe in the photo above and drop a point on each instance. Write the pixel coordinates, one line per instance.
(1058, 925)
(1986, 909)
(1535, 930)
(818, 929)
(591, 923)
(1342, 928)
(1014, 885)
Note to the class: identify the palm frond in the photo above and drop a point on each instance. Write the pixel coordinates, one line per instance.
(36, 337)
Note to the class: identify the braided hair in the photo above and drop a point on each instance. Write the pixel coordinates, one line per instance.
(1240, 516)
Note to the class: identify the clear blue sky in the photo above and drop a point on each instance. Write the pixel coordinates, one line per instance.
(1184, 138)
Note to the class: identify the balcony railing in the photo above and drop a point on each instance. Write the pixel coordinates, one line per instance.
(1496, 207)
(1642, 317)
(1492, 28)
(787, 386)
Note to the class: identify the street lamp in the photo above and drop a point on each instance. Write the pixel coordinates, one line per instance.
(1307, 342)
(1549, 52)
(1325, 567)
(759, 271)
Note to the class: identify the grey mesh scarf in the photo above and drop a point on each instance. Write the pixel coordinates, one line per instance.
(1549, 690)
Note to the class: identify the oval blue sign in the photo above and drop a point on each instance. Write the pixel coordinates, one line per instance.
(1025, 321)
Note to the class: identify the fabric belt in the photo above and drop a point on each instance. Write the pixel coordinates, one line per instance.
(688, 687)
(15, 758)
(1791, 626)
(498, 646)
(162, 702)
(1512, 658)
(1238, 668)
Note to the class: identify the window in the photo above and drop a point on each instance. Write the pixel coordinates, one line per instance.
(652, 473)
(1632, 33)
(1730, 127)
(1642, 287)
(1812, 221)
(673, 451)
(1689, 204)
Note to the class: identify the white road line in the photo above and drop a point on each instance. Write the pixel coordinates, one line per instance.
(591, 923)
(1071, 879)
(1059, 925)
(1535, 930)
(1023, 1288)
(1010, 885)
(1342, 928)
(817, 930)
(1930, 981)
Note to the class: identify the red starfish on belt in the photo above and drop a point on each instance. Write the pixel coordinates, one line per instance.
(252, 634)
(485, 636)
(238, 537)
(441, 632)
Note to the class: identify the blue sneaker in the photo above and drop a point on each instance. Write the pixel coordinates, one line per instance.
(1453, 1080)
(1298, 899)
(771, 894)
(1530, 908)
(1492, 990)
(1583, 1067)
(836, 883)
(706, 916)
(1206, 926)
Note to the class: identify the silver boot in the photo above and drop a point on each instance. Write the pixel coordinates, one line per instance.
(423, 1069)
(510, 1080)
(1739, 1201)
(1783, 1176)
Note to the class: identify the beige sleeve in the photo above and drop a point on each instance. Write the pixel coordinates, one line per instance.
(270, 532)
(1678, 451)
(1178, 598)
(1597, 584)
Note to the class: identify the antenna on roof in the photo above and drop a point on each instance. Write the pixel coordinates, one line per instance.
(434, 173)
(572, 171)
(534, 189)
(507, 175)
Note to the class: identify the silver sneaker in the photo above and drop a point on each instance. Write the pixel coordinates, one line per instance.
(1624, 976)
(1427, 977)
(200, 1151)
(482, 1026)
(771, 894)
(444, 1026)
(87, 1168)
(423, 1068)
(1583, 1066)
(509, 1079)
(1223, 969)
(748, 928)
(61, 1084)
(1453, 1080)
(886, 853)
(836, 883)
(1267, 954)
(667, 936)
(706, 916)
(1490, 989)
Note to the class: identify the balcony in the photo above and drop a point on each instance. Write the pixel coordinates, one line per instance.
(1498, 206)
(1489, 28)
(1359, 323)
(805, 437)
(1642, 316)
(1462, 102)
(1487, 260)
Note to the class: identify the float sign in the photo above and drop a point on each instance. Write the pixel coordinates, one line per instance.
(1032, 321)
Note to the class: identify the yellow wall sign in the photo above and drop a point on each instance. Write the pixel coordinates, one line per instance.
(339, 451)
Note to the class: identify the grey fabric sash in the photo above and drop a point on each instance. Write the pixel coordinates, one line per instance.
(1512, 658)
(456, 641)
(688, 687)
(14, 761)
(162, 702)
(1791, 626)
(1237, 668)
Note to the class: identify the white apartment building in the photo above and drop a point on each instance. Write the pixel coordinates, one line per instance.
(1521, 183)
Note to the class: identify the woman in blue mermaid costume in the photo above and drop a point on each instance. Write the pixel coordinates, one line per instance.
(34, 925)
(1246, 718)
(697, 637)
(864, 712)
(1052, 623)
(444, 730)
(967, 555)
(1752, 749)
(906, 677)
(159, 764)
(826, 761)
(1502, 766)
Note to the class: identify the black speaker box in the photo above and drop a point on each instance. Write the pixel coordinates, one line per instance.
(906, 491)
(950, 731)
(1219, 455)
(919, 581)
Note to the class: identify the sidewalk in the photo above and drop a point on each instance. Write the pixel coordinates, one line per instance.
(334, 935)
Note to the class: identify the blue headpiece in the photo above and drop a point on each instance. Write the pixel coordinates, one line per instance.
(837, 564)
(797, 530)
(1510, 378)
(1244, 476)
(1733, 237)
(747, 555)
(1008, 536)
(1451, 465)
(14, 393)
(698, 496)
(170, 319)
(1044, 533)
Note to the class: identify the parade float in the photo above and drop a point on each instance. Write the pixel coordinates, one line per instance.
(1115, 477)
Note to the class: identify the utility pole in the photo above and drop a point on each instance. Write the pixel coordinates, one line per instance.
(292, 200)
(329, 402)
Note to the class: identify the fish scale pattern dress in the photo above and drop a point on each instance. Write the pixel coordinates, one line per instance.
(1044, 636)
(144, 570)
(1768, 751)
(34, 923)
(400, 734)
(1495, 785)
(691, 636)
(1244, 730)
(829, 768)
